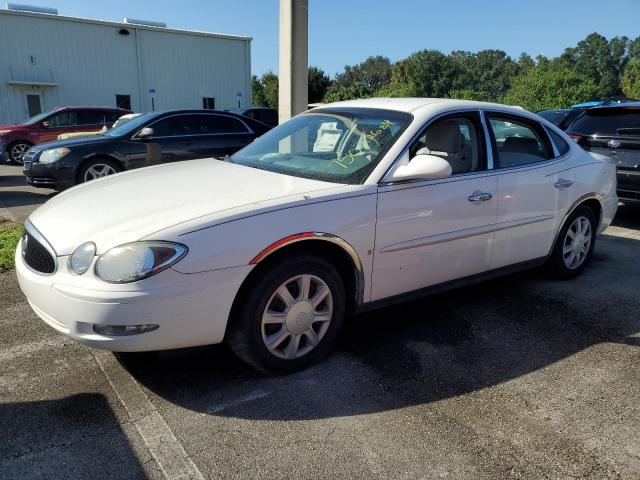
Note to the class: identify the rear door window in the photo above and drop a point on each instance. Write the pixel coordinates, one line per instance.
(518, 142)
(90, 117)
(175, 126)
(608, 121)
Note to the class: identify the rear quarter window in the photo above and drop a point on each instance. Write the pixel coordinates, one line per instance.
(561, 144)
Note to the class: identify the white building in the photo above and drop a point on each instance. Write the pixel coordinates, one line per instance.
(48, 60)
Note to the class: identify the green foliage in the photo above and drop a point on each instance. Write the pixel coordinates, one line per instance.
(595, 68)
(360, 81)
(631, 79)
(9, 238)
(318, 84)
(257, 92)
(550, 86)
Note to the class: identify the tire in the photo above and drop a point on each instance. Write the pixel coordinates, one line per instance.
(17, 150)
(97, 168)
(299, 334)
(566, 262)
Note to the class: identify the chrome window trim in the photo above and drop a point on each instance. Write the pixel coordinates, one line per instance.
(33, 231)
(248, 129)
(384, 183)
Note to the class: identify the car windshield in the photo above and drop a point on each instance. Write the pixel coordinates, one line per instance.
(130, 126)
(333, 145)
(35, 119)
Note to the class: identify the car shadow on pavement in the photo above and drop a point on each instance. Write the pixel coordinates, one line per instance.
(628, 216)
(413, 353)
(79, 438)
(12, 199)
(12, 181)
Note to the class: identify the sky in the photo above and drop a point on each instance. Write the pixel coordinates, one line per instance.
(345, 32)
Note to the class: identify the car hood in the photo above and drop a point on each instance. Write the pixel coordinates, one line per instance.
(13, 127)
(129, 206)
(73, 142)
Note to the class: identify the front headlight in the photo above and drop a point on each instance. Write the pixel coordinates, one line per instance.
(53, 155)
(81, 258)
(134, 261)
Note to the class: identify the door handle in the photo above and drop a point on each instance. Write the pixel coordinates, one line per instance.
(479, 197)
(563, 183)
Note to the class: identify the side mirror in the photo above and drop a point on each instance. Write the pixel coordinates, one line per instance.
(145, 133)
(423, 167)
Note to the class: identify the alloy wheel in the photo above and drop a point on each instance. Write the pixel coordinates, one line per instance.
(98, 170)
(576, 243)
(297, 316)
(17, 151)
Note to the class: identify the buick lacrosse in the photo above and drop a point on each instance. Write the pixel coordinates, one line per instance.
(346, 207)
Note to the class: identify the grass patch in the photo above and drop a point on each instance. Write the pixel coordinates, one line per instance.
(9, 238)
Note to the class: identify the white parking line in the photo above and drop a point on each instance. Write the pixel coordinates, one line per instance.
(31, 347)
(164, 447)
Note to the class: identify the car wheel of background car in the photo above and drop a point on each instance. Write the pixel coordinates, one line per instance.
(574, 245)
(17, 150)
(97, 169)
(289, 315)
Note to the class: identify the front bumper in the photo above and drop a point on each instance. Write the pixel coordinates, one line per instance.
(51, 175)
(190, 309)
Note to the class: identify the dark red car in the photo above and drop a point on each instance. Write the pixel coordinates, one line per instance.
(46, 127)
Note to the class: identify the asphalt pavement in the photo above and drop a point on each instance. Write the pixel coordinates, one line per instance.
(520, 377)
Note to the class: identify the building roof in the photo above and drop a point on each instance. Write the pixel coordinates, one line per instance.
(125, 25)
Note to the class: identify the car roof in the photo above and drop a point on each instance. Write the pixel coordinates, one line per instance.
(411, 104)
(617, 106)
(88, 107)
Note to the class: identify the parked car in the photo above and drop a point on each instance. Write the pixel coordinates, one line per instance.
(614, 131)
(120, 121)
(607, 101)
(562, 117)
(272, 248)
(47, 126)
(261, 114)
(149, 139)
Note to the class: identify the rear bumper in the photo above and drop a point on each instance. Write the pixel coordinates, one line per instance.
(628, 185)
(190, 309)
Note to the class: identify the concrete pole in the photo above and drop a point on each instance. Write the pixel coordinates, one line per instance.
(294, 70)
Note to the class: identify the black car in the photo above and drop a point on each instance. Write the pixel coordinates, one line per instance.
(614, 131)
(262, 114)
(562, 117)
(150, 139)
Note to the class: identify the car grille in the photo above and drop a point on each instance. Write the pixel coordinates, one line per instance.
(36, 255)
(27, 160)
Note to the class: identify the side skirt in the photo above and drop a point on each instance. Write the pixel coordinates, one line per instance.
(450, 285)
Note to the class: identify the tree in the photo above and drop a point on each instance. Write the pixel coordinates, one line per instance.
(257, 92)
(550, 86)
(631, 79)
(318, 84)
(428, 73)
(360, 81)
(483, 75)
(600, 60)
(269, 82)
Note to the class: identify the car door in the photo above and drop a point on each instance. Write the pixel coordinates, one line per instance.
(432, 231)
(534, 188)
(221, 135)
(56, 124)
(173, 139)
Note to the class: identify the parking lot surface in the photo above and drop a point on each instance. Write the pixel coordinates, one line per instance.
(17, 199)
(521, 377)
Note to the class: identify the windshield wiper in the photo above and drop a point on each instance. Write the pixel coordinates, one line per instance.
(628, 130)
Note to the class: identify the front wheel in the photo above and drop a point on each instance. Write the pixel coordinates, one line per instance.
(289, 316)
(17, 150)
(97, 168)
(574, 245)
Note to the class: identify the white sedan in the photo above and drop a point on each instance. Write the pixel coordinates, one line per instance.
(346, 207)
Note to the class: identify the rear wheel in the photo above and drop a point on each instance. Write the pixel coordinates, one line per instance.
(97, 168)
(289, 316)
(17, 150)
(574, 245)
